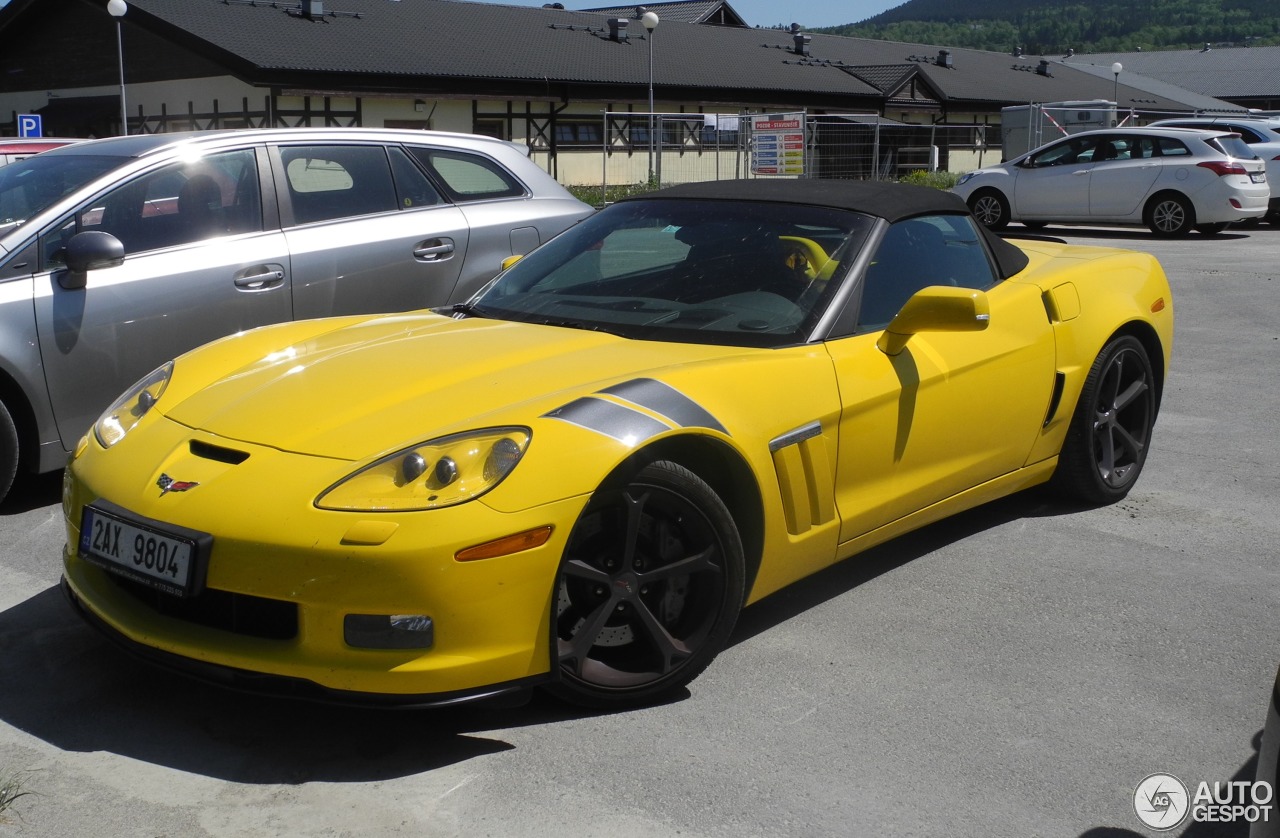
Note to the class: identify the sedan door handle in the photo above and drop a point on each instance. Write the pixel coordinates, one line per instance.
(434, 250)
(262, 279)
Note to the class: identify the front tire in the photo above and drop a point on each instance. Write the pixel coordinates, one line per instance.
(648, 591)
(8, 451)
(1170, 215)
(1110, 431)
(990, 208)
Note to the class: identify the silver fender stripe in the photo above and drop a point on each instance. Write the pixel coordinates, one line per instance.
(625, 424)
(666, 401)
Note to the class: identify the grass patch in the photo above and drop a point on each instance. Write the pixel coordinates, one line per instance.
(597, 197)
(11, 790)
(938, 180)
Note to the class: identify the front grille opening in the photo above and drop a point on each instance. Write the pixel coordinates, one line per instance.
(217, 453)
(251, 616)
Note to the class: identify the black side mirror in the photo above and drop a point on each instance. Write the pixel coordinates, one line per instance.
(89, 251)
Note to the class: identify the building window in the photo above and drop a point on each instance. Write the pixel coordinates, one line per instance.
(580, 133)
(495, 128)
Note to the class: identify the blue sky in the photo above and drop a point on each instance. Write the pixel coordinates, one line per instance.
(808, 13)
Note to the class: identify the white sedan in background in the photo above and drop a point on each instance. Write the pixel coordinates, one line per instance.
(1172, 180)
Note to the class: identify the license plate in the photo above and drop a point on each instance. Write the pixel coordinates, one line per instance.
(165, 558)
(1257, 177)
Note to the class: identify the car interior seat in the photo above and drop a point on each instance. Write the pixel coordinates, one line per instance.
(200, 207)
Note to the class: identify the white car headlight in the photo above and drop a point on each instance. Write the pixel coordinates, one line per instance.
(128, 410)
(967, 176)
(440, 472)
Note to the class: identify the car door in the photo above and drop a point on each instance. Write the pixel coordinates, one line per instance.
(952, 410)
(1053, 184)
(496, 207)
(199, 264)
(1125, 168)
(362, 240)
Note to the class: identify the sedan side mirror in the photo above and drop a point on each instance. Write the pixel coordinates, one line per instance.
(89, 251)
(937, 308)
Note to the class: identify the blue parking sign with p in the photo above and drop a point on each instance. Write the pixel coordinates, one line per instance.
(29, 125)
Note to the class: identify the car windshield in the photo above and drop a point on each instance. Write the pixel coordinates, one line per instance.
(31, 185)
(724, 272)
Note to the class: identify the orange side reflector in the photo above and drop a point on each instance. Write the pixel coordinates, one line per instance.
(1158, 305)
(506, 545)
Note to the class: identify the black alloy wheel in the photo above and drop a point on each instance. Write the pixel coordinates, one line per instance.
(1110, 431)
(648, 591)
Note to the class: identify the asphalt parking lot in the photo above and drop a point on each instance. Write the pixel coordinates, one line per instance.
(1013, 671)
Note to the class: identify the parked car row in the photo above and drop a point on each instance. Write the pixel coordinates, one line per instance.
(117, 254)
(1173, 180)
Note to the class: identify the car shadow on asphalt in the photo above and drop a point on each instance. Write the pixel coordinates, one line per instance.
(844, 576)
(78, 692)
(33, 492)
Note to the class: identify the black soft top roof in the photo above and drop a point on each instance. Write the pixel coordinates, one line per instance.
(891, 201)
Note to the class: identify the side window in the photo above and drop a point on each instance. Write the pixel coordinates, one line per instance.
(413, 188)
(1066, 153)
(215, 195)
(469, 177)
(328, 182)
(1172, 147)
(917, 253)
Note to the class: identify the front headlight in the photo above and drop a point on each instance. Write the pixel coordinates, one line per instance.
(129, 409)
(966, 177)
(438, 473)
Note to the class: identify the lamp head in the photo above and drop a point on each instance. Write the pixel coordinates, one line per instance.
(648, 20)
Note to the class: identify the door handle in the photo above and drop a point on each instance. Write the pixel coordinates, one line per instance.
(263, 279)
(436, 250)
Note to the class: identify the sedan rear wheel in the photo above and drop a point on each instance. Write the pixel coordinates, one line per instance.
(990, 208)
(648, 591)
(1110, 431)
(8, 451)
(1170, 214)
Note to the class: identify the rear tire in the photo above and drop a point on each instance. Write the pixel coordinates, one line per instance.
(991, 208)
(1110, 431)
(8, 451)
(1170, 215)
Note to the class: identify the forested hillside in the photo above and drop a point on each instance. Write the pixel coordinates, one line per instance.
(1054, 26)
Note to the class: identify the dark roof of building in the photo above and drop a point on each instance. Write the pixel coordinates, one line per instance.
(715, 12)
(1224, 73)
(488, 49)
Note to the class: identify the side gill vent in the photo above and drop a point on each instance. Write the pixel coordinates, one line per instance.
(1059, 383)
(217, 453)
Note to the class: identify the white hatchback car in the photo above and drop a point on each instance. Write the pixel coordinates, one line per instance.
(1172, 180)
(1262, 135)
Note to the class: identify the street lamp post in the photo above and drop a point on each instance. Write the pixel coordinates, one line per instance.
(650, 22)
(1115, 91)
(117, 8)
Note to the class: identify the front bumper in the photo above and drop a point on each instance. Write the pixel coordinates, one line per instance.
(283, 576)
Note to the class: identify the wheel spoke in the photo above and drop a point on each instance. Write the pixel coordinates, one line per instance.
(1132, 445)
(1133, 391)
(579, 569)
(634, 508)
(669, 648)
(682, 567)
(577, 649)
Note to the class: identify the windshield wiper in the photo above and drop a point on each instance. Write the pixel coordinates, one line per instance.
(466, 310)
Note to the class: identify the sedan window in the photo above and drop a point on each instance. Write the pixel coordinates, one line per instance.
(216, 195)
(328, 182)
(469, 177)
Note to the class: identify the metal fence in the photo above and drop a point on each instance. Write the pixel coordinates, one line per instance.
(681, 148)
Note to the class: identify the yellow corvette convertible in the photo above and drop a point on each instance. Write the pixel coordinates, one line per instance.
(579, 477)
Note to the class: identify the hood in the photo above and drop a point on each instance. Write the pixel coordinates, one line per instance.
(383, 383)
